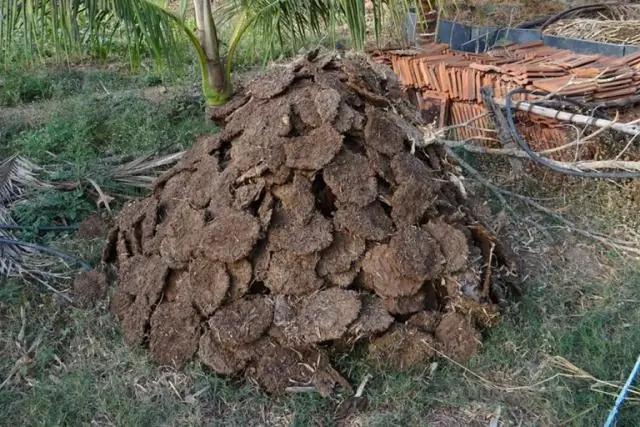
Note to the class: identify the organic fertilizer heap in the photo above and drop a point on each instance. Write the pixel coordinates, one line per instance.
(304, 227)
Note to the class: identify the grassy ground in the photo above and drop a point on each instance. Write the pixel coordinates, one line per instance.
(70, 367)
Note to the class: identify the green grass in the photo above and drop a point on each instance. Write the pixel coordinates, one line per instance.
(20, 86)
(582, 307)
(82, 130)
(98, 378)
(93, 115)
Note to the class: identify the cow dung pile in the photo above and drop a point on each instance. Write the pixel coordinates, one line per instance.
(302, 229)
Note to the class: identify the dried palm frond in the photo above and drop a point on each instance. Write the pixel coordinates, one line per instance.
(18, 258)
(114, 173)
(142, 171)
(47, 264)
(11, 256)
(16, 174)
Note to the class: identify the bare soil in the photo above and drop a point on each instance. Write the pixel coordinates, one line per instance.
(304, 225)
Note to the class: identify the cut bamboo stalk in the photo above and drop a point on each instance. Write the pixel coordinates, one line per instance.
(630, 129)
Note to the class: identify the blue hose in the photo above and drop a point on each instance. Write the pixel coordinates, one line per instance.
(623, 395)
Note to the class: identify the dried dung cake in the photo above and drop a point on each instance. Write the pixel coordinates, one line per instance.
(89, 287)
(305, 225)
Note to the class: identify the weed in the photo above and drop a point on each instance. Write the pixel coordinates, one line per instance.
(17, 88)
(47, 208)
(84, 130)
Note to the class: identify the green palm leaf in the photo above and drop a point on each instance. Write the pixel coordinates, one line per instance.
(61, 28)
(43, 28)
(287, 22)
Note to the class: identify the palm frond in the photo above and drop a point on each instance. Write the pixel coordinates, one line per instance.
(43, 263)
(142, 171)
(17, 175)
(288, 24)
(11, 256)
(356, 20)
(59, 28)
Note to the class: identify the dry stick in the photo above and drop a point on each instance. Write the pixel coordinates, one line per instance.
(606, 124)
(587, 164)
(577, 142)
(500, 193)
(308, 389)
(605, 164)
(437, 135)
(491, 384)
(431, 135)
(103, 198)
(604, 239)
(582, 132)
(363, 384)
(605, 30)
(562, 363)
(573, 82)
(626, 147)
(59, 293)
(23, 324)
(533, 387)
(465, 145)
(515, 152)
(578, 416)
(435, 35)
(495, 189)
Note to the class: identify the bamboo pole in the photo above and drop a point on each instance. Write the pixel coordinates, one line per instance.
(630, 129)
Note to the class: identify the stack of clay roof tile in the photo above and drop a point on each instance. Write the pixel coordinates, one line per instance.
(437, 72)
(461, 75)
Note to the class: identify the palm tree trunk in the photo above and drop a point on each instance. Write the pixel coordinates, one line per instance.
(216, 84)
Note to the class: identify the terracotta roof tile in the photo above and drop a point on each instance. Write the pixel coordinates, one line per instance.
(456, 78)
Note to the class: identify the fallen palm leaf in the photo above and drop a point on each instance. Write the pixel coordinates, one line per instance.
(16, 175)
(136, 172)
(18, 258)
(41, 263)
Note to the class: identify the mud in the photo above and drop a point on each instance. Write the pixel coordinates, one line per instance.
(304, 228)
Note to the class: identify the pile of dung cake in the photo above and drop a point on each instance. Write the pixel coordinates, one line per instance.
(304, 228)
